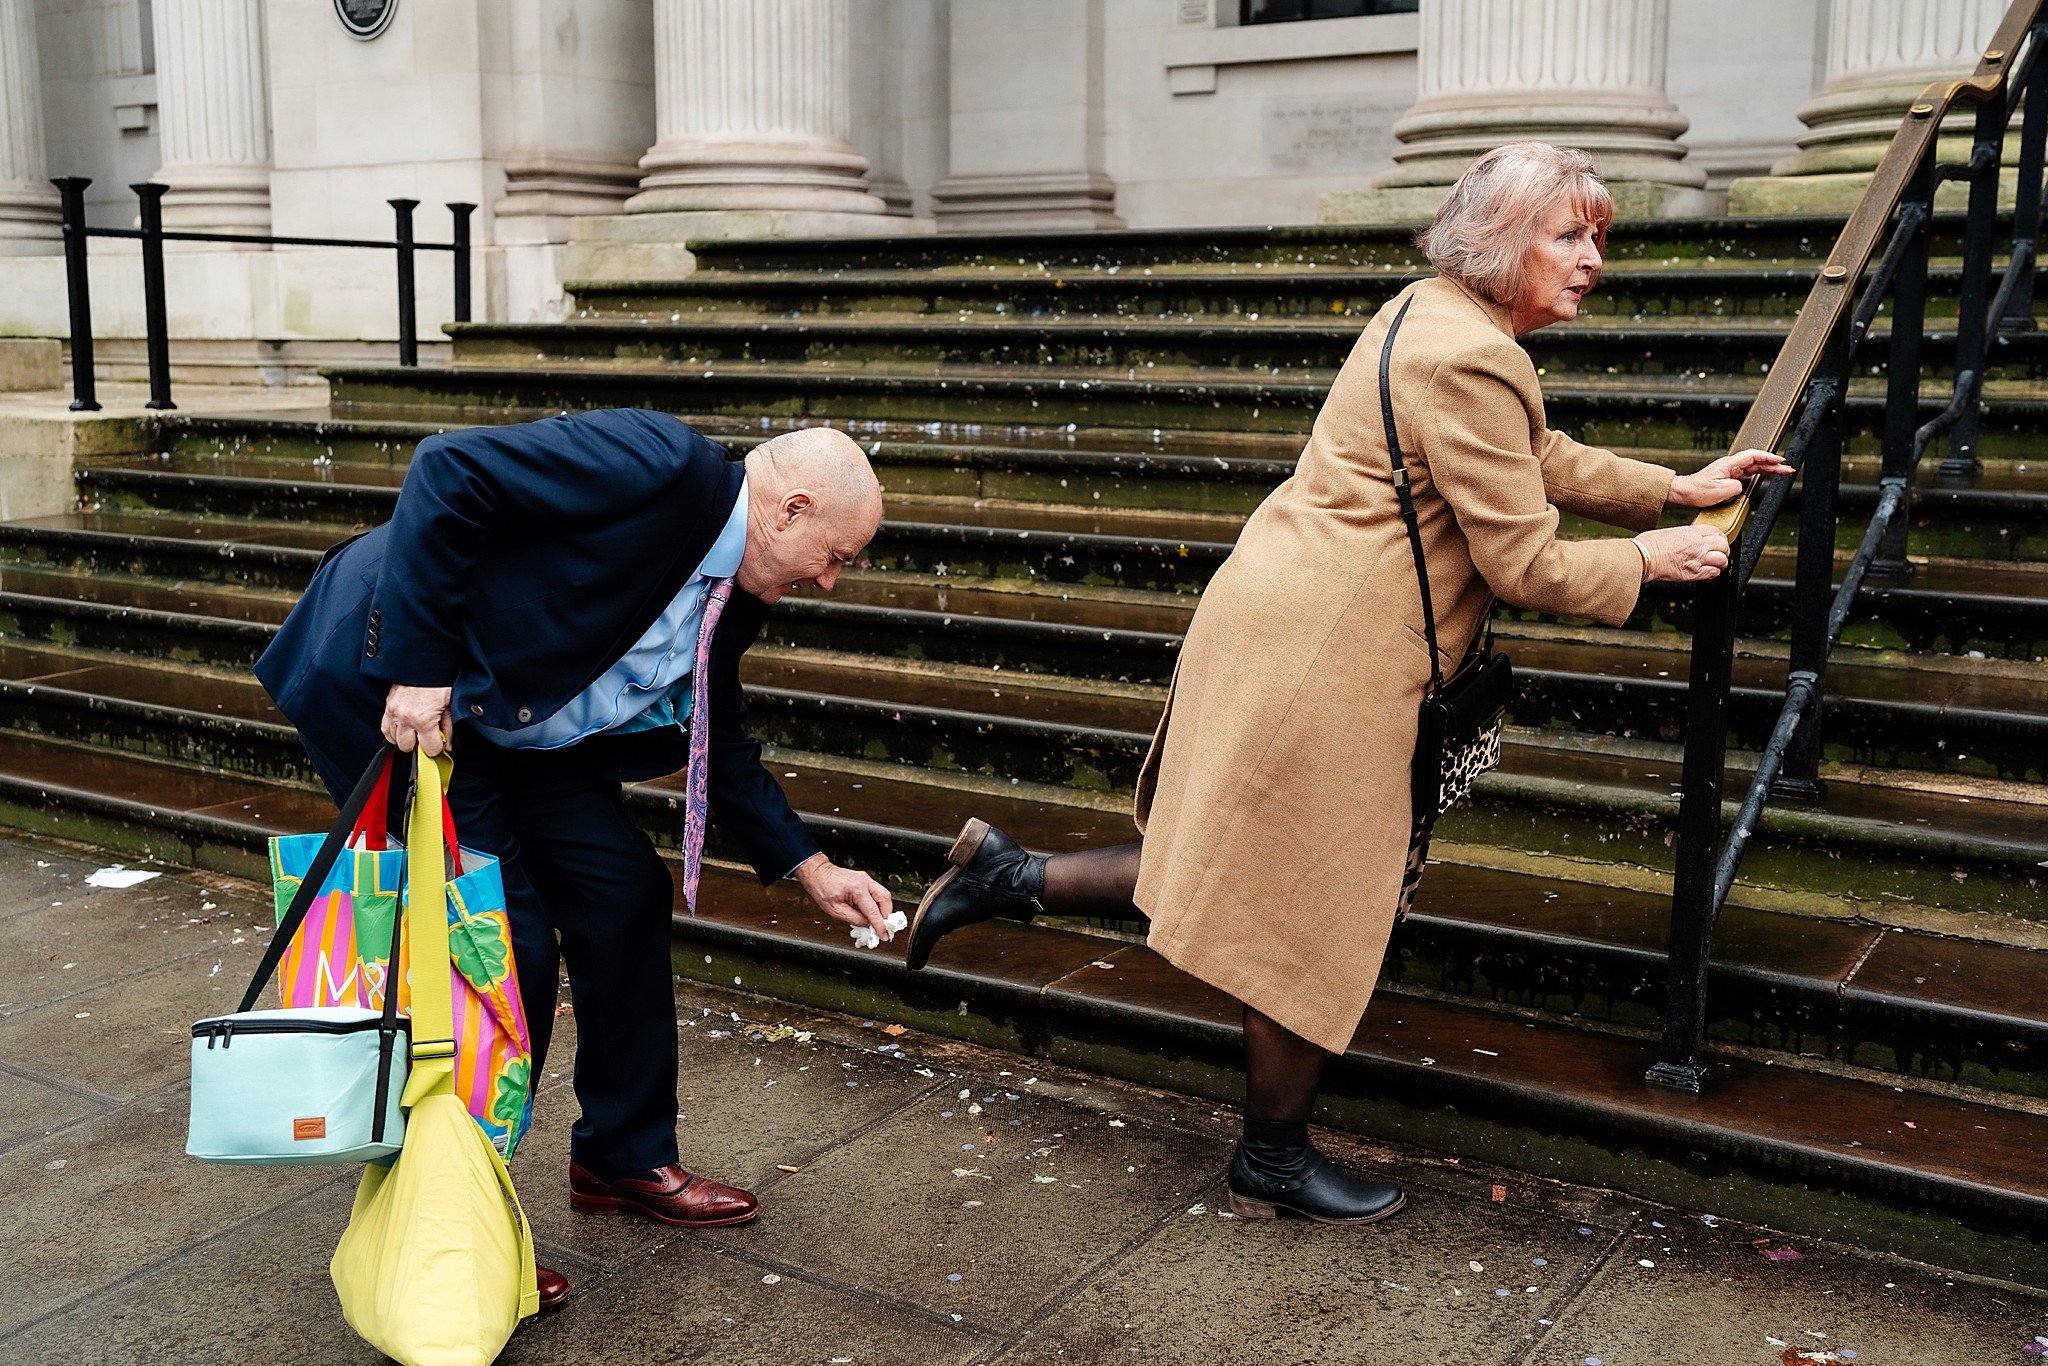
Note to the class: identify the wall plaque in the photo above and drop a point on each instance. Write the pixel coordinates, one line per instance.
(1325, 133)
(365, 18)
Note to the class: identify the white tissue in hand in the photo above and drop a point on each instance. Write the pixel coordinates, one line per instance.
(866, 938)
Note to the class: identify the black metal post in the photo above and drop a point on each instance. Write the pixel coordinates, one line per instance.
(408, 305)
(1961, 466)
(1813, 586)
(1902, 367)
(459, 235)
(2026, 211)
(155, 312)
(71, 196)
(1693, 905)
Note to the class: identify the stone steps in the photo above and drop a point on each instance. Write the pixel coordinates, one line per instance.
(1553, 800)
(1981, 584)
(1970, 718)
(1709, 294)
(1818, 1144)
(1055, 505)
(1652, 350)
(1691, 415)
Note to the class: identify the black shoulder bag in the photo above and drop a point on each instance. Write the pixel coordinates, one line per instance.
(1460, 727)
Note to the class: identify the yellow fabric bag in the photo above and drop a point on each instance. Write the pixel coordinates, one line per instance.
(435, 1267)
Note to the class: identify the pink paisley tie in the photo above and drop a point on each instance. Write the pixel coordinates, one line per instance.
(697, 797)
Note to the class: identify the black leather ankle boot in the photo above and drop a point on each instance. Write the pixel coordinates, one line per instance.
(990, 878)
(1276, 1168)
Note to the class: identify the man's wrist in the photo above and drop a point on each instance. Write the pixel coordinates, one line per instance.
(810, 868)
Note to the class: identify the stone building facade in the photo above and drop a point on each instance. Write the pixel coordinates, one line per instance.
(597, 137)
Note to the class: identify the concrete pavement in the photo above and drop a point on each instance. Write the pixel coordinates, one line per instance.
(923, 1201)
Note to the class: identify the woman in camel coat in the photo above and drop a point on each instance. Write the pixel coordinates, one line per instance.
(1274, 804)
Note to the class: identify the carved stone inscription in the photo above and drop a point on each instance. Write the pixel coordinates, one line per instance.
(1333, 132)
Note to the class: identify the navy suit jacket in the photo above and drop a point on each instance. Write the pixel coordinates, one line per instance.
(521, 563)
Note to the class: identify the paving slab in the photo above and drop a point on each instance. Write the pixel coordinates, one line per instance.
(81, 938)
(1712, 1294)
(33, 871)
(30, 1107)
(696, 1304)
(1210, 1287)
(133, 1036)
(94, 1202)
(968, 1213)
(257, 1294)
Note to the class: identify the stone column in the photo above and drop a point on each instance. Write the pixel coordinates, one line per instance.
(1028, 119)
(28, 204)
(754, 113)
(1880, 55)
(214, 104)
(1580, 73)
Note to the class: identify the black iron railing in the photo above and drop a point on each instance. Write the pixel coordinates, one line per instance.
(156, 309)
(1803, 396)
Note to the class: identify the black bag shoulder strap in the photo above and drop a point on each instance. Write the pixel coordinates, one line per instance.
(1436, 673)
(1484, 644)
(309, 890)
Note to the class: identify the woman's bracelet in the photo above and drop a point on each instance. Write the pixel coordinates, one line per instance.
(1644, 551)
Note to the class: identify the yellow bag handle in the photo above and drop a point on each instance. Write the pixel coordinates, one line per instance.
(426, 931)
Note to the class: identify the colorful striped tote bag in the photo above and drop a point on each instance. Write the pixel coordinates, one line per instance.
(339, 955)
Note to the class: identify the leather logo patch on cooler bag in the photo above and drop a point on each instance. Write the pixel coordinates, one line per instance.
(303, 1129)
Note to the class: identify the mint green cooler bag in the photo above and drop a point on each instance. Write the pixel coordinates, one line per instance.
(314, 1085)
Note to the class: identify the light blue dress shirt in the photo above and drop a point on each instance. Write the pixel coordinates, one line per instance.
(650, 685)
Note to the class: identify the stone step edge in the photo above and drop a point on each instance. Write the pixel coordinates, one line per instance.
(1120, 1030)
(1306, 389)
(1803, 825)
(837, 829)
(1854, 493)
(286, 557)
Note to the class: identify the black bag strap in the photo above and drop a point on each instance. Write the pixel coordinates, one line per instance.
(1484, 645)
(1436, 673)
(316, 877)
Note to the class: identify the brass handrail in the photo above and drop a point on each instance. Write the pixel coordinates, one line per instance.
(1778, 400)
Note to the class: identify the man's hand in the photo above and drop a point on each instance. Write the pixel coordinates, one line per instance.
(1684, 554)
(846, 895)
(419, 716)
(1721, 481)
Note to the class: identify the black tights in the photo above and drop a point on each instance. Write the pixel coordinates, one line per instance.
(1281, 1069)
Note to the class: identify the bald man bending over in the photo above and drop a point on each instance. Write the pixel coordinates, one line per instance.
(539, 603)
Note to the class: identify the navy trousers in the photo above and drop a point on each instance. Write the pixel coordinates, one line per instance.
(585, 889)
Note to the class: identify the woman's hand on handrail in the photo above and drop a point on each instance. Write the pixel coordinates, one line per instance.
(1683, 554)
(1722, 481)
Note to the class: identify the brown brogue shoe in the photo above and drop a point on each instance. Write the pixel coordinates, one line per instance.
(669, 1194)
(554, 1289)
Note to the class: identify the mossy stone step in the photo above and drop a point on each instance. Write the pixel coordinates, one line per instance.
(1655, 352)
(1927, 1008)
(1694, 416)
(1346, 244)
(925, 726)
(1706, 294)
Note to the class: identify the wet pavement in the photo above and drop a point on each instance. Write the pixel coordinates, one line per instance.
(924, 1201)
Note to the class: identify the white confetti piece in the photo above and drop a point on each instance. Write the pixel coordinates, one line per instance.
(118, 877)
(771, 1279)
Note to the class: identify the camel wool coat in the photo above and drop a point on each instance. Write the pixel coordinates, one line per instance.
(1275, 799)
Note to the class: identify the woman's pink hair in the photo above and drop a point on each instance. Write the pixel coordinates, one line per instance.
(1486, 225)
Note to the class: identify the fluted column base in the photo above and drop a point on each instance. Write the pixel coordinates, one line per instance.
(233, 197)
(29, 222)
(760, 173)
